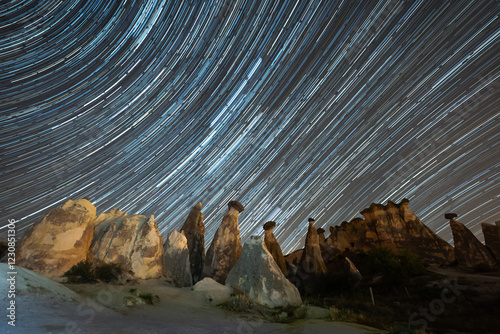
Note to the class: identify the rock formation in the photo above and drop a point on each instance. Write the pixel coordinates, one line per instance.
(393, 226)
(225, 249)
(321, 237)
(352, 271)
(257, 275)
(273, 246)
(59, 241)
(492, 238)
(311, 261)
(212, 291)
(194, 230)
(469, 251)
(132, 241)
(176, 265)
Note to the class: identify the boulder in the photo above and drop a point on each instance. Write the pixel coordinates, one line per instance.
(274, 247)
(311, 261)
(469, 251)
(132, 241)
(176, 265)
(257, 275)
(225, 249)
(212, 291)
(59, 241)
(395, 227)
(194, 230)
(492, 238)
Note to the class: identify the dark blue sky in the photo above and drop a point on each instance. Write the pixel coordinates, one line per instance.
(298, 109)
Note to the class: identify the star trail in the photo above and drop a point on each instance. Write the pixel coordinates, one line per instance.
(296, 109)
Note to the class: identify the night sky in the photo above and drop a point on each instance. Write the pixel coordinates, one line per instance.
(296, 109)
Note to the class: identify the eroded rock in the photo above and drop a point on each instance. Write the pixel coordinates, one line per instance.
(225, 249)
(257, 275)
(273, 246)
(469, 251)
(59, 241)
(176, 265)
(132, 241)
(194, 230)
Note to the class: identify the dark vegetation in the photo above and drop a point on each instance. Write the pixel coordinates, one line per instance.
(85, 272)
(402, 286)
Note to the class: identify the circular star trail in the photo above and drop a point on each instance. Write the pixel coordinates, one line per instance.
(296, 109)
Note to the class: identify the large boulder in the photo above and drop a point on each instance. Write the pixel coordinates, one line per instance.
(257, 275)
(469, 251)
(225, 249)
(273, 246)
(492, 238)
(311, 262)
(194, 230)
(59, 241)
(212, 291)
(395, 227)
(176, 265)
(131, 241)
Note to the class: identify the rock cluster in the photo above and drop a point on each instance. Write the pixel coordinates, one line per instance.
(257, 275)
(469, 251)
(194, 230)
(225, 249)
(393, 226)
(273, 246)
(132, 241)
(58, 242)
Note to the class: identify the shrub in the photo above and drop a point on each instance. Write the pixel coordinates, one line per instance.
(81, 273)
(396, 267)
(108, 272)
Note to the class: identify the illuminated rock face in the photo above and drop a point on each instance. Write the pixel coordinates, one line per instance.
(311, 261)
(469, 251)
(492, 238)
(194, 230)
(58, 242)
(257, 275)
(393, 226)
(225, 249)
(176, 265)
(273, 246)
(133, 241)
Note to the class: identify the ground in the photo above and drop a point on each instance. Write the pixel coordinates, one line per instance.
(44, 306)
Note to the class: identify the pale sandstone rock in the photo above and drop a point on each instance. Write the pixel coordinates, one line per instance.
(176, 265)
(132, 241)
(59, 241)
(257, 275)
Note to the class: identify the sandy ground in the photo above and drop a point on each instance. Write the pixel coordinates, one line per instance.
(44, 306)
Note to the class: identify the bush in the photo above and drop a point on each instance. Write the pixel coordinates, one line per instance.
(81, 273)
(396, 267)
(108, 272)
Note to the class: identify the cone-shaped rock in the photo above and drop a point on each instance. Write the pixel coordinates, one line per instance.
(257, 275)
(492, 238)
(132, 241)
(321, 237)
(194, 230)
(393, 226)
(225, 249)
(176, 265)
(469, 251)
(273, 246)
(59, 241)
(312, 261)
